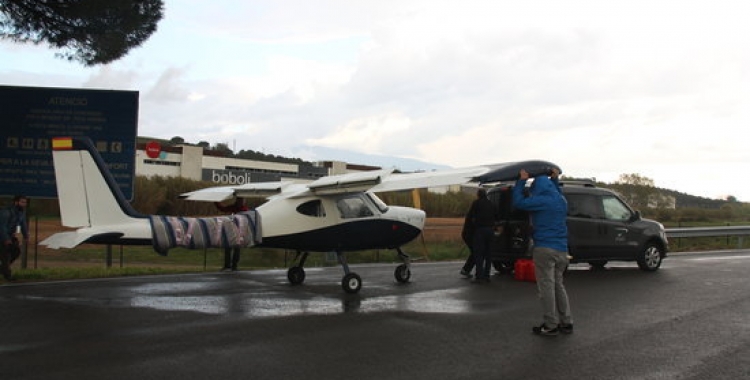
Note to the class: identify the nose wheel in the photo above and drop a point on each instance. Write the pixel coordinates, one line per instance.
(351, 283)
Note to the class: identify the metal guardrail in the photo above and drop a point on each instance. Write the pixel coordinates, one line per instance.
(688, 232)
(679, 232)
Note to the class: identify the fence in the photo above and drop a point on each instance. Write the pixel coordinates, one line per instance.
(692, 232)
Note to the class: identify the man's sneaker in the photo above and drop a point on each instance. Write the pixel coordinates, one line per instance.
(544, 330)
(565, 328)
(465, 273)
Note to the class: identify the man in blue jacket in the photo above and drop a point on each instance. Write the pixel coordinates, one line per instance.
(548, 210)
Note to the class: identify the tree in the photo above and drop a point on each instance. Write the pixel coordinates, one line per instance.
(177, 140)
(224, 148)
(635, 179)
(88, 31)
(637, 190)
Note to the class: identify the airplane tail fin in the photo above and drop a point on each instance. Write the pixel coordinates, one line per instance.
(88, 194)
(92, 202)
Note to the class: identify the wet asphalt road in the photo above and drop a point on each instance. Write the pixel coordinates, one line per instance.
(690, 320)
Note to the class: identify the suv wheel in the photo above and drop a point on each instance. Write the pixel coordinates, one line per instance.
(649, 259)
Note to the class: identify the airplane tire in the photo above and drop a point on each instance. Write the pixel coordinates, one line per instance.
(351, 283)
(402, 273)
(296, 275)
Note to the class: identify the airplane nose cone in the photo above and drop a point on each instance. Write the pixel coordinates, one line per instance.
(411, 216)
(408, 222)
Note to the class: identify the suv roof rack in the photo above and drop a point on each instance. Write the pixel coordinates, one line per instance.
(578, 182)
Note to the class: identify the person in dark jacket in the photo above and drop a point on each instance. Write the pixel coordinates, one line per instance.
(467, 235)
(232, 255)
(548, 209)
(11, 219)
(482, 216)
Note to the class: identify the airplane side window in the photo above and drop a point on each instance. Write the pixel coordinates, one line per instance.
(353, 207)
(312, 208)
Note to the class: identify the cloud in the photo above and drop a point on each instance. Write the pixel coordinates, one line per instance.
(169, 87)
(601, 88)
(365, 134)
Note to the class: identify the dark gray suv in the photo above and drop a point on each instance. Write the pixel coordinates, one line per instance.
(601, 228)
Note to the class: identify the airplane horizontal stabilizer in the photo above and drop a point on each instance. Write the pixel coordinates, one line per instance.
(72, 239)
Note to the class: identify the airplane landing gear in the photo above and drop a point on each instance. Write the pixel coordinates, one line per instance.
(403, 271)
(296, 274)
(351, 281)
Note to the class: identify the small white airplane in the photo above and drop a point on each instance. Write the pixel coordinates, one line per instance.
(332, 214)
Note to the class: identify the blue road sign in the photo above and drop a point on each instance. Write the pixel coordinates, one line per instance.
(31, 116)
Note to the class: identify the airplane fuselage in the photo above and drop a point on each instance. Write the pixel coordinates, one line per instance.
(337, 223)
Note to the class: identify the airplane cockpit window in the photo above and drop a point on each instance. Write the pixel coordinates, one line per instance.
(312, 208)
(353, 207)
(378, 203)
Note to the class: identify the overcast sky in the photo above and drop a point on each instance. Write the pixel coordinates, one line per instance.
(602, 88)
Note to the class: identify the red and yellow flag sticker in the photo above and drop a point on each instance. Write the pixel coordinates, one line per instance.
(62, 143)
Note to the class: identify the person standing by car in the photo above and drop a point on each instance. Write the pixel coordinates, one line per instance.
(467, 235)
(10, 219)
(548, 209)
(482, 217)
(232, 255)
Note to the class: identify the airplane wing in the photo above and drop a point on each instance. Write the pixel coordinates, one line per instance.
(383, 180)
(248, 190)
(437, 178)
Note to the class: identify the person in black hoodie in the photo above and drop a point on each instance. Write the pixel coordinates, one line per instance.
(482, 216)
(232, 254)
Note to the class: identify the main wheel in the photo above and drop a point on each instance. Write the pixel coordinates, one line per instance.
(296, 275)
(351, 283)
(650, 257)
(402, 273)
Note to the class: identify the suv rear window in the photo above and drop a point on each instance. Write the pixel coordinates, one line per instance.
(584, 206)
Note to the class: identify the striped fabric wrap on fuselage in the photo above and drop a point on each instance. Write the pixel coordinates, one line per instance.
(237, 230)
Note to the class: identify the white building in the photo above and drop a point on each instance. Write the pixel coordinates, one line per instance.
(195, 163)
